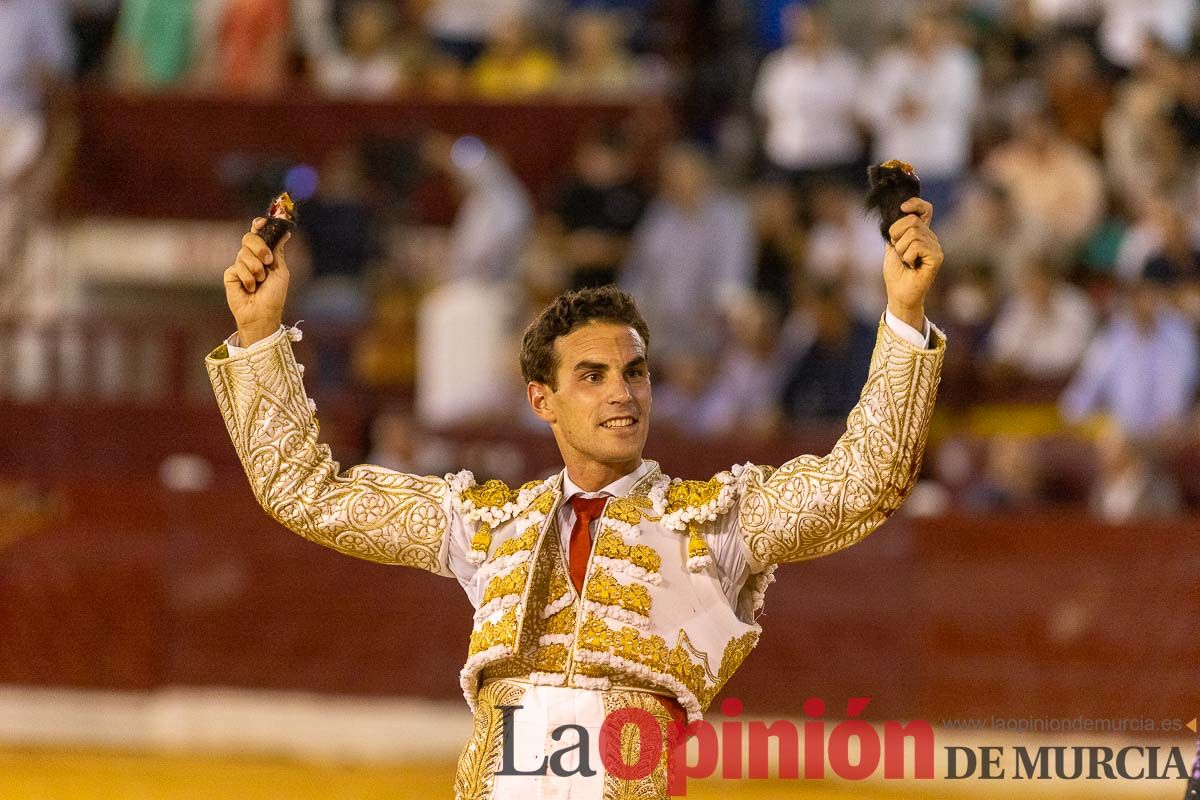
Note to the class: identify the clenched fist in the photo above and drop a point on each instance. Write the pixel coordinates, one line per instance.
(256, 286)
(912, 241)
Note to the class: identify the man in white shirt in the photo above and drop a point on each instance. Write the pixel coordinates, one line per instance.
(608, 586)
(919, 101)
(806, 94)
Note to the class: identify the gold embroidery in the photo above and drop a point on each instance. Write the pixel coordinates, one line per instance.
(510, 583)
(475, 776)
(736, 650)
(692, 494)
(650, 650)
(525, 541)
(812, 506)
(563, 622)
(544, 502)
(629, 745)
(630, 510)
(603, 588)
(482, 540)
(551, 658)
(697, 547)
(492, 494)
(491, 634)
(611, 545)
(368, 512)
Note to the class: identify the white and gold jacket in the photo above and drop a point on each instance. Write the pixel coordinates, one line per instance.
(654, 613)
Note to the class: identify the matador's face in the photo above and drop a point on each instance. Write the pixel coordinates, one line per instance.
(600, 408)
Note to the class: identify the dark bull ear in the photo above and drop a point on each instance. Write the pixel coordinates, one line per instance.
(890, 185)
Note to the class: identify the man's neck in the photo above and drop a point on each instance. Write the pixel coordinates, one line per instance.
(594, 476)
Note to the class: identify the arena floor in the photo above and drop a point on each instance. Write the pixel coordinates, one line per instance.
(95, 775)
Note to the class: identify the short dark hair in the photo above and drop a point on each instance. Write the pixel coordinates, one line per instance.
(569, 311)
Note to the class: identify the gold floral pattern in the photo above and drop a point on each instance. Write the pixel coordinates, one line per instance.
(629, 510)
(367, 511)
(604, 589)
(507, 584)
(692, 494)
(629, 748)
(813, 506)
(517, 544)
(494, 634)
(475, 776)
(610, 545)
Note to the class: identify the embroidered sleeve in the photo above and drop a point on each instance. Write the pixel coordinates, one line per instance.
(811, 506)
(368, 512)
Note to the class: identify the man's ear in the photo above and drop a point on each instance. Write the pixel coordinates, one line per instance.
(539, 400)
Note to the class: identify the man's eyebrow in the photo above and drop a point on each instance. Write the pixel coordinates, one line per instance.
(589, 366)
(640, 361)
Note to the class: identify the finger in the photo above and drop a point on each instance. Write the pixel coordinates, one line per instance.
(252, 264)
(254, 243)
(245, 277)
(257, 224)
(908, 238)
(918, 250)
(903, 224)
(919, 206)
(279, 259)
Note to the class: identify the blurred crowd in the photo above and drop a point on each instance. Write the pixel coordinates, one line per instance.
(1059, 141)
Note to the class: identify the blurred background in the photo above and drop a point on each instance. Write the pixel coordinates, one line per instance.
(461, 162)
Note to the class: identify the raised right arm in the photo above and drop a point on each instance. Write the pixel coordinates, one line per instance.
(367, 511)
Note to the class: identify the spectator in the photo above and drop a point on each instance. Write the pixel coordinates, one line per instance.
(1140, 370)
(252, 46)
(781, 243)
(682, 376)
(597, 66)
(154, 43)
(1046, 310)
(343, 236)
(806, 94)
(1142, 152)
(844, 247)
(1131, 483)
(598, 209)
(93, 23)
(369, 63)
(495, 213)
(746, 389)
(35, 55)
(919, 102)
(827, 378)
(1162, 234)
(512, 66)
(693, 252)
(1128, 25)
(984, 230)
(1056, 187)
(461, 27)
(1077, 93)
(465, 324)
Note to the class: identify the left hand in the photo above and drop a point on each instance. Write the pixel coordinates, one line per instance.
(912, 239)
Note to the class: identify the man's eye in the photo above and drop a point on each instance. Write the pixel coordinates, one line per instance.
(592, 377)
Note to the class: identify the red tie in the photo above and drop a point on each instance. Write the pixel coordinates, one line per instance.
(586, 510)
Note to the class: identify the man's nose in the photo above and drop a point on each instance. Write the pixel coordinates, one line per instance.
(620, 391)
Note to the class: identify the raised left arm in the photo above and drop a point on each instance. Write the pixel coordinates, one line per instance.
(813, 506)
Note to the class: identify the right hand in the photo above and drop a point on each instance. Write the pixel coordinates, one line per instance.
(256, 286)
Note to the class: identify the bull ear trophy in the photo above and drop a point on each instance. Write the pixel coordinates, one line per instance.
(281, 218)
(889, 185)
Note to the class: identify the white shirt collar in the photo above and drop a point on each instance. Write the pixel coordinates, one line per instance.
(618, 488)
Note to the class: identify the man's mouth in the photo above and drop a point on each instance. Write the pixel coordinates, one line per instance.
(619, 422)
